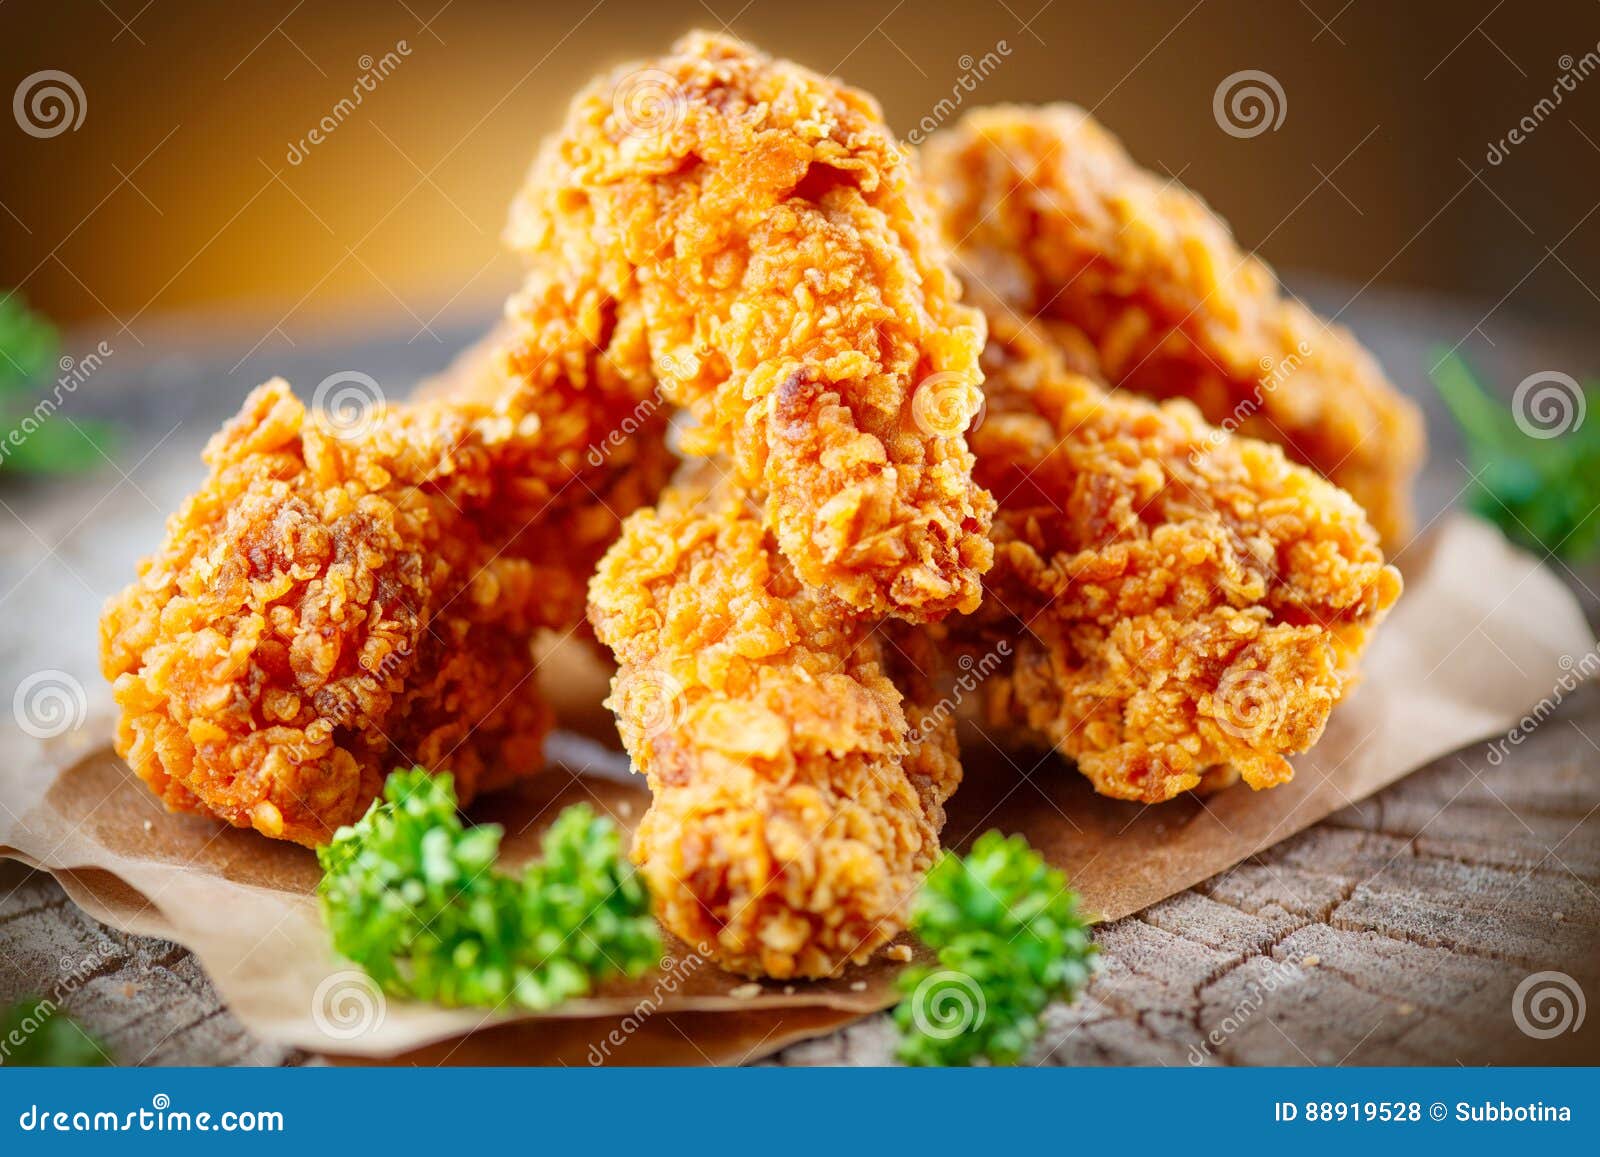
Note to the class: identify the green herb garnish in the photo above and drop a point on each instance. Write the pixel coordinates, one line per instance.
(35, 437)
(36, 1032)
(1009, 940)
(27, 344)
(413, 897)
(1536, 462)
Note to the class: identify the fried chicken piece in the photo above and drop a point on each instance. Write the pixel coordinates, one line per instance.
(308, 597)
(1139, 277)
(762, 231)
(574, 431)
(339, 599)
(350, 593)
(1176, 605)
(794, 813)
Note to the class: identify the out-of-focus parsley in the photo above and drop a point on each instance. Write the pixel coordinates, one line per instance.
(1009, 939)
(34, 438)
(27, 343)
(36, 1032)
(412, 896)
(1543, 492)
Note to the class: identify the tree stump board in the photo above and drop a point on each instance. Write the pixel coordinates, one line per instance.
(1395, 932)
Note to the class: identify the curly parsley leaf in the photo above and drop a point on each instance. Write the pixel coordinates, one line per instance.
(1009, 939)
(37, 1033)
(1542, 492)
(27, 343)
(34, 437)
(412, 896)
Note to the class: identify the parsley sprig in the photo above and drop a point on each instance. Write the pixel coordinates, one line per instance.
(1543, 492)
(27, 343)
(412, 896)
(35, 1032)
(1009, 939)
(34, 437)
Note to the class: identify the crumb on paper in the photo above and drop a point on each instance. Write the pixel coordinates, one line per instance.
(1311, 961)
(746, 991)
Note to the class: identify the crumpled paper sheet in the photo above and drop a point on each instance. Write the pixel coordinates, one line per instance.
(1478, 638)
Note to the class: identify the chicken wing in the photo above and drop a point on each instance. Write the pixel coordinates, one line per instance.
(794, 809)
(347, 593)
(1169, 606)
(762, 231)
(1145, 286)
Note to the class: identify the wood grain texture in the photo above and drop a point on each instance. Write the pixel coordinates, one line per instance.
(1395, 932)
(147, 1001)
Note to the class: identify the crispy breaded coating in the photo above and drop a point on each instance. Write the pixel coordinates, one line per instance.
(762, 231)
(1139, 277)
(794, 814)
(307, 597)
(1178, 605)
(574, 431)
(343, 597)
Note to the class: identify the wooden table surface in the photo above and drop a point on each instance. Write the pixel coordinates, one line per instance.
(1397, 931)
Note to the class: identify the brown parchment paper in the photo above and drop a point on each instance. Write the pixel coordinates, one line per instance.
(1481, 635)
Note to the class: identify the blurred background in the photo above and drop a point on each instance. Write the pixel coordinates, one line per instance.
(190, 183)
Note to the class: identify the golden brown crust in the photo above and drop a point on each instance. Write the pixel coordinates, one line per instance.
(1137, 276)
(335, 602)
(792, 815)
(304, 597)
(758, 229)
(1174, 602)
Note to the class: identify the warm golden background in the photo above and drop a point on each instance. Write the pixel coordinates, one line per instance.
(176, 193)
